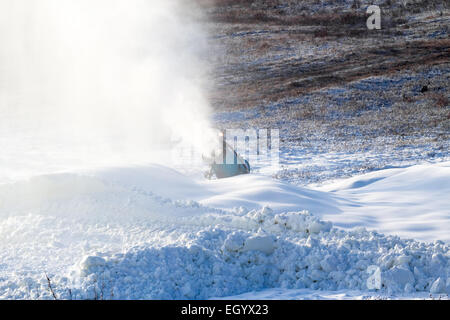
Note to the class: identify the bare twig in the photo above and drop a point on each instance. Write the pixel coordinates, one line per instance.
(50, 287)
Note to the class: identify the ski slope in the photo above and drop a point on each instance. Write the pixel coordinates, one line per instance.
(151, 232)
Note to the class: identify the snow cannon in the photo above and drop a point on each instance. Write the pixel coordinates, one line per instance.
(226, 162)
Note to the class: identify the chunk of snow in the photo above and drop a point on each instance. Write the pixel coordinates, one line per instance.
(234, 242)
(438, 286)
(259, 243)
(91, 264)
(397, 278)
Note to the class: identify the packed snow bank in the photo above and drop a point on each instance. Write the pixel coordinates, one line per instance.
(410, 202)
(151, 232)
(161, 261)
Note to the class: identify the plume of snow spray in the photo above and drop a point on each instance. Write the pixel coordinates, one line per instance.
(99, 80)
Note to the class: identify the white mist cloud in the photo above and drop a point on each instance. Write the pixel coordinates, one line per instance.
(103, 79)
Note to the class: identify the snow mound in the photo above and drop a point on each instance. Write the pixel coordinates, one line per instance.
(197, 262)
(152, 233)
(218, 261)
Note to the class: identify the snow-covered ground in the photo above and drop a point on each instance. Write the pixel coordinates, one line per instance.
(154, 232)
(411, 202)
(358, 210)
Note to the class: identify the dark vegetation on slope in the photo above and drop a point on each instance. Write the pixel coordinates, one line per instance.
(313, 69)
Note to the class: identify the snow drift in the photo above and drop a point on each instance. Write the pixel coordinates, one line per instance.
(154, 233)
(410, 202)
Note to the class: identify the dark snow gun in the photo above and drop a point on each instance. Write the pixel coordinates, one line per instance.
(226, 163)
